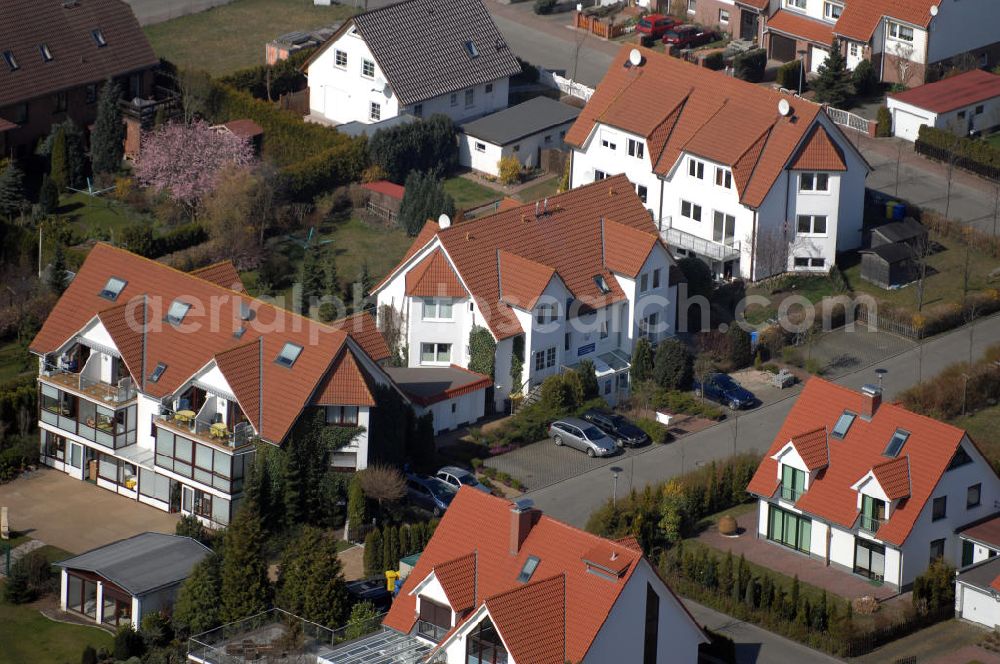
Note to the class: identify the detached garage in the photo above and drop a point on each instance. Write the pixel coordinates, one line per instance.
(968, 102)
(977, 593)
(522, 131)
(457, 397)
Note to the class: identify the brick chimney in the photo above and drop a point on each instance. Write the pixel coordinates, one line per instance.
(872, 399)
(522, 518)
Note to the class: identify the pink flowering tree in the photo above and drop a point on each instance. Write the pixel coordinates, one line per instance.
(187, 160)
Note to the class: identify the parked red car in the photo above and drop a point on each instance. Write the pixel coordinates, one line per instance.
(654, 26)
(687, 36)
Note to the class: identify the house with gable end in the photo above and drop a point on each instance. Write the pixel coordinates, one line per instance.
(578, 276)
(416, 58)
(751, 181)
(870, 487)
(502, 582)
(156, 384)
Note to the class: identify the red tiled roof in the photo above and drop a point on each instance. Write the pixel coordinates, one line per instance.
(860, 19)
(953, 92)
(681, 107)
(567, 240)
(223, 273)
(522, 281)
(812, 447)
(458, 580)
(344, 384)
(364, 331)
(819, 153)
(995, 583)
(76, 57)
(756, 4)
(894, 477)
(244, 128)
(930, 447)
(390, 189)
(986, 531)
(626, 248)
(426, 234)
(207, 333)
(793, 24)
(434, 277)
(562, 591)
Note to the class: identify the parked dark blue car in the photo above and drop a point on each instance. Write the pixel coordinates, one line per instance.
(721, 388)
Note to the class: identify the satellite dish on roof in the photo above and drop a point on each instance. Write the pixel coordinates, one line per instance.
(934, 10)
(635, 57)
(784, 107)
(444, 221)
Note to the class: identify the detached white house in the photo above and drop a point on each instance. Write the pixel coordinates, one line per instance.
(521, 131)
(749, 180)
(870, 487)
(578, 276)
(501, 582)
(962, 104)
(415, 57)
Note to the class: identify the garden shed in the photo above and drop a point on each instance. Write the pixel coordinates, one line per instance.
(889, 265)
(909, 231)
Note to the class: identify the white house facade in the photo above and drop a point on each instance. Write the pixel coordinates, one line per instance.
(870, 488)
(751, 181)
(416, 58)
(610, 283)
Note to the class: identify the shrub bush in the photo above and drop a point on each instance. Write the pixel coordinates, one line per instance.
(509, 169)
(128, 643)
(714, 61)
(429, 145)
(864, 78)
(282, 77)
(884, 119)
(788, 75)
(30, 578)
(750, 65)
(976, 155)
(657, 433)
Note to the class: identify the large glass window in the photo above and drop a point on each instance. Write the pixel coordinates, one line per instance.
(484, 646)
(793, 483)
(203, 463)
(872, 513)
(869, 559)
(153, 485)
(117, 608)
(724, 228)
(81, 595)
(792, 530)
(55, 446)
(435, 620)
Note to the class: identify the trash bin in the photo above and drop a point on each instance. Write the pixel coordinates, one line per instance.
(899, 212)
(890, 209)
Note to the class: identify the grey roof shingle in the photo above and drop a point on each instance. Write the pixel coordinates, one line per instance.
(142, 563)
(894, 252)
(982, 574)
(525, 119)
(901, 231)
(421, 46)
(66, 28)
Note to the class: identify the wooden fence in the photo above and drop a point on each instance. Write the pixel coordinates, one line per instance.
(600, 27)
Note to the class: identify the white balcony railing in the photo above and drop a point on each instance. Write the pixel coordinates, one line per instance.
(675, 237)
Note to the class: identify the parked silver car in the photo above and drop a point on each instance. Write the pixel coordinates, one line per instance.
(459, 477)
(582, 435)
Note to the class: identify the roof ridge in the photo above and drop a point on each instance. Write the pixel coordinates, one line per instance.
(531, 584)
(694, 134)
(674, 113)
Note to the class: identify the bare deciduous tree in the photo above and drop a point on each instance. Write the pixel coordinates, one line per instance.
(771, 250)
(390, 324)
(903, 64)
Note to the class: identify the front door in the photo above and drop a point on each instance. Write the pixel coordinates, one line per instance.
(748, 25)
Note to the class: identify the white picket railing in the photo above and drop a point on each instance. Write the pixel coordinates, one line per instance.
(565, 85)
(849, 120)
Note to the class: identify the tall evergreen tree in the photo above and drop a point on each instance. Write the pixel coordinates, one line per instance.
(642, 361)
(833, 85)
(245, 588)
(424, 198)
(58, 277)
(311, 277)
(672, 366)
(311, 580)
(48, 195)
(106, 142)
(373, 553)
(197, 606)
(11, 190)
(58, 160)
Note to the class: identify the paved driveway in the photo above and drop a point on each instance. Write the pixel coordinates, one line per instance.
(76, 516)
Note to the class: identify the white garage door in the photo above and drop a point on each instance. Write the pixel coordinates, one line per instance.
(817, 57)
(979, 606)
(907, 125)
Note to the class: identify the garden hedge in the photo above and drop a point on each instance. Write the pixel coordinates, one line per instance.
(971, 154)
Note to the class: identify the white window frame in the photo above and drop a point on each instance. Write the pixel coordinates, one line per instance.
(694, 211)
(545, 314)
(828, 8)
(470, 97)
(853, 49)
(643, 282)
(812, 232)
(609, 141)
(809, 182)
(726, 219)
(895, 30)
(642, 192)
(636, 149)
(437, 349)
(599, 175)
(723, 17)
(374, 111)
(692, 6)
(480, 146)
(696, 168)
(339, 55)
(432, 309)
(365, 65)
(726, 177)
(798, 5)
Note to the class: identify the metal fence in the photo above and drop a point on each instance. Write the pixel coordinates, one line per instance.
(883, 323)
(850, 120)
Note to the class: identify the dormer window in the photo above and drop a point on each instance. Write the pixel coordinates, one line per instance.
(793, 483)
(99, 39)
(896, 443)
(113, 288)
(177, 311)
(843, 424)
(46, 53)
(11, 61)
(873, 512)
(529, 567)
(289, 353)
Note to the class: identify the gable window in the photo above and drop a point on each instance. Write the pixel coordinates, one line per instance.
(453, 99)
(546, 313)
(900, 31)
(418, 110)
(651, 632)
(812, 224)
(435, 353)
(636, 148)
(796, 4)
(937, 549)
(177, 311)
(434, 621)
(11, 61)
(973, 496)
(690, 211)
(960, 458)
(367, 68)
(529, 567)
(696, 169)
(99, 39)
(113, 288)
(656, 278)
(725, 228)
(643, 282)
(470, 97)
(896, 443)
(793, 483)
(642, 192)
(480, 147)
(375, 111)
(344, 416)
(608, 141)
(814, 182)
(46, 52)
(939, 509)
(832, 10)
(872, 513)
(723, 177)
(843, 424)
(289, 353)
(340, 58)
(436, 309)
(484, 646)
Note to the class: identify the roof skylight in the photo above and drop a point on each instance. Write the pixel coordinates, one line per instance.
(289, 353)
(896, 443)
(157, 372)
(602, 283)
(843, 424)
(470, 48)
(98, 38)
(178, 310)
(46, 52)
(530, 565)
(11, 61)
(113, 288)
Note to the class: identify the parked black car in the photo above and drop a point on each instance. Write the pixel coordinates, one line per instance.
(721, 388)
(617, 427)
(373, 590)
(431, 493)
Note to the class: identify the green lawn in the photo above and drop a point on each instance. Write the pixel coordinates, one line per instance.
(233, 36)
(99, 217)
(813, 288)
(539, 190)
(993, 139)
(469, 194)
(14, 361)
(984, 428)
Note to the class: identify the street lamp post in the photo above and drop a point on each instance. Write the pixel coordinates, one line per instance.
(614, 484)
